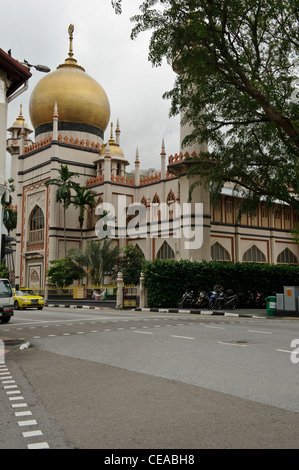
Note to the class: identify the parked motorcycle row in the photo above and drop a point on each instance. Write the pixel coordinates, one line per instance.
(217, 299)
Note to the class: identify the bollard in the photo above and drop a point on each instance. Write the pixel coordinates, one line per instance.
(120, 291)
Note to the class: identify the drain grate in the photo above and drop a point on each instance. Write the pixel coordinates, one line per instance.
(12, 342)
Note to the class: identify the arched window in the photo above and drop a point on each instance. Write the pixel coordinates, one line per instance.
(254, 255)
(170, 197)
(36, 226)
(165, 252)
(156, 213)
(139, 249)
(287, 257)
(218, 253)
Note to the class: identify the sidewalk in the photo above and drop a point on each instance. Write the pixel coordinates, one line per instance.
(241, 312)
(238, 312)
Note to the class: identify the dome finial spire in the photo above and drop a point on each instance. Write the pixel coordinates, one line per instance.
(70, 61)
(70, 31)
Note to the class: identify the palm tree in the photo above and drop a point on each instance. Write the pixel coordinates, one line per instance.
(84, 197)
(100, 259)
(65, 184)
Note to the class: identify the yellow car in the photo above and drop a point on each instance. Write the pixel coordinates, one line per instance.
(27, 298)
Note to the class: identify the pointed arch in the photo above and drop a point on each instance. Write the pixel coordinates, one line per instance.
(170, 197)
(165, 252)
(219, 253)
(287, 257)
(139, 249)
(36, 225)
(254, 255)
(156, 199)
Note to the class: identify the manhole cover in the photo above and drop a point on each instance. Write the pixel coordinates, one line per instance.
(241, 341)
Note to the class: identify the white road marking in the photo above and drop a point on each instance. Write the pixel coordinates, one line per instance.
(231, 344)
(260, 331)
(144, 332)
(30, 422)
(184, 337)
(217, 327)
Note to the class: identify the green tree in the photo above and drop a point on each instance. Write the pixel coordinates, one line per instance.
(65, 184)
(64, 272)
(131, 264)
(84, 197)
(238, 69)
(100, 259)
(4, 271)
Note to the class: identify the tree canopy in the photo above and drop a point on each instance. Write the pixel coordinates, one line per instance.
(99, 257)
(237, 85)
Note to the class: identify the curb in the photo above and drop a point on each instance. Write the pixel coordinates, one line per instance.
(197, 312)
(164, 310)
(75, 306)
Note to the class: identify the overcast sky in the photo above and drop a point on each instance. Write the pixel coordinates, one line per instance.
(37, 31)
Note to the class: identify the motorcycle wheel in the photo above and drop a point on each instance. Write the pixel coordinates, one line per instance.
(204, 303)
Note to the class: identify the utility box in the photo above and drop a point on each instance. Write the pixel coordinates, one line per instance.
(291, 294)
(279, 301)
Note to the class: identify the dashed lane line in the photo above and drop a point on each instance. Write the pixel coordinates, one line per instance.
(22, 423)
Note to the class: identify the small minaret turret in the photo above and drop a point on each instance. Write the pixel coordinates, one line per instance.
(137, 169)
(163, 164)
(107, 163)
(55, 122)
(117, 132)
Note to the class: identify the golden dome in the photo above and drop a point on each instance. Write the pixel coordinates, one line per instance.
(80, 98)
(20, 119)
(115, 149)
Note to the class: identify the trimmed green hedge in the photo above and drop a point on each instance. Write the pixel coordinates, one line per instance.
(167, 280)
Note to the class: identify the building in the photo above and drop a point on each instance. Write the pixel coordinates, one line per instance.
(13, 81)
(70, 113)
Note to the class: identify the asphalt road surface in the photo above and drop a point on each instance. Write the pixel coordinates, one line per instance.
(105, 379)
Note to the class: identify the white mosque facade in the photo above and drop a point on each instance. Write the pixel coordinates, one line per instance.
(69, 127)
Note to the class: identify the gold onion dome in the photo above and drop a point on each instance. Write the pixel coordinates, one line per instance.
(20, 120)
(80, 98)
(114, 147)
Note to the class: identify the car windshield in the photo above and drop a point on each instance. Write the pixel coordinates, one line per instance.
(5, 289)
(25, 292)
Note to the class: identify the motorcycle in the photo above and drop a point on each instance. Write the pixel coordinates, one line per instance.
(187, 300)
(226, 300)
(260, 300)
(202, 301)
(212, 299)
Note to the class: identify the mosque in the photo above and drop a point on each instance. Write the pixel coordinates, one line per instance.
(70, 113)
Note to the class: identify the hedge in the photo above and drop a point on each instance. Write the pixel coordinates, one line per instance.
(167, 280)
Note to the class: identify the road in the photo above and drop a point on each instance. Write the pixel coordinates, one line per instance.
(107, 379)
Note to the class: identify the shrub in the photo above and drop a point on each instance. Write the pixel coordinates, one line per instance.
(167, 280)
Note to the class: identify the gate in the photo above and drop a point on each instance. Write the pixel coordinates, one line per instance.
(131, 298)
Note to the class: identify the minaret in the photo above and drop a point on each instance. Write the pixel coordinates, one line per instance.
(55, 122)
(163, 164)
(137, 169)
(117, 132)
(107, 164)
(16, 145)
